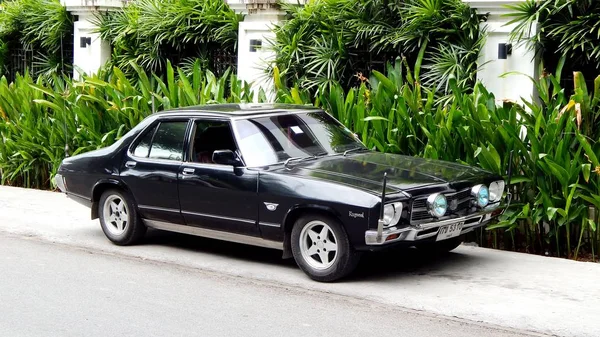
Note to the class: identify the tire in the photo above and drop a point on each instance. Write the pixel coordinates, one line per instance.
(310, 248)
(441, 247)
(119, 218)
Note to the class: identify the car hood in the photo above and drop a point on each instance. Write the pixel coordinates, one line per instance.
(404, 174)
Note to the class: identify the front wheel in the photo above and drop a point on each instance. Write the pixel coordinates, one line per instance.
(321, 248)
(119, 218)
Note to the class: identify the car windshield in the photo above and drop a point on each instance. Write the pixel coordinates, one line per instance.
(274, 139)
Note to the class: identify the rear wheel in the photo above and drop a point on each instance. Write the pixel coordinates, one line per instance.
(321, 248)
(119, 218)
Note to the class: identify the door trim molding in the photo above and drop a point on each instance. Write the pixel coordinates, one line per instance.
(212, 216)
(162, 209)
(270, 224)
(214, 234)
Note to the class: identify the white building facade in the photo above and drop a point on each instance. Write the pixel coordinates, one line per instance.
(89, 51)
(497, 59)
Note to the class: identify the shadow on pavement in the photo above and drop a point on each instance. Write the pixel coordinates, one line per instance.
(391, 264)
(409, 262)
(217, 247)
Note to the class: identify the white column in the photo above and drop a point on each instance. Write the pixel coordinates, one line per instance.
(254, 52)
(521, 60)
(90, 52)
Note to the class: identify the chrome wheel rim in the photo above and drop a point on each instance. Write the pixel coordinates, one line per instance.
(318, 245)
(116, 215)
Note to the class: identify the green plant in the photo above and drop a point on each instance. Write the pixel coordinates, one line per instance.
(42, 27)
(329, 41)
(554, 145)
(565, 27)
(150, 32)
(45, 120)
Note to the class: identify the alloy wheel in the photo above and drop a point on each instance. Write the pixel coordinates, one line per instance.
(318, 245)
(116, 215)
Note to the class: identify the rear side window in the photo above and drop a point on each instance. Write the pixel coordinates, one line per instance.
(166, 142)
(143, 147)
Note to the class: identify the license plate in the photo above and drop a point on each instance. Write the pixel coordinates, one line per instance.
(450, 231)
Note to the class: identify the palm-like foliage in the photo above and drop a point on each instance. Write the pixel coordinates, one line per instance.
(43, 120)
(564, 27)
(556, 168)
(42, 26)
(150, 32)
(345, 33)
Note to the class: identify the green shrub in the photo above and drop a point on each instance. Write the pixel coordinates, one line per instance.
(42, 26)
(45, 120)
(329, 41)
(555, 146)
(560, 28)
(564, 27)
(151, 32)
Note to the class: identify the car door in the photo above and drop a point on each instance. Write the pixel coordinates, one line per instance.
(151, 168)
(216, 196)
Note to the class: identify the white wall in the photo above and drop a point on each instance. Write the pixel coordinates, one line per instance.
(252, 65)
(260, 17)
(493, 71)
(93, 56)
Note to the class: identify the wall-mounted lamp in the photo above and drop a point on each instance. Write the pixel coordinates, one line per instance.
(85, 41)
(255, 45)
(504, 49)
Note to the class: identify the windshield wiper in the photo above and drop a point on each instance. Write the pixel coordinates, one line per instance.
(298, 159)
(354, 149)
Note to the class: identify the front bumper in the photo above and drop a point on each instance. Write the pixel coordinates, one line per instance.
(413, 233)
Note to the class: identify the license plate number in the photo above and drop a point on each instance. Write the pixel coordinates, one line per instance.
(450, 231)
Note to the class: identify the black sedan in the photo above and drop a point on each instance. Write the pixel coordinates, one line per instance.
(279, 176)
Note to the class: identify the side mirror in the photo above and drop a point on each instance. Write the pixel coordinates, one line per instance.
(226, 157)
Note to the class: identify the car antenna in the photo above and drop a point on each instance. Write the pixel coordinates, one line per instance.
(510, 163)
(66, 131)
(380, 221)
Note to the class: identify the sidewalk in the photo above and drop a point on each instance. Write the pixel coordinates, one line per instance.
(519, 291)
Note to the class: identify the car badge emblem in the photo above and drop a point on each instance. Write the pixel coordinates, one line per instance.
(270, 206)
(356, 215)
(453, 204)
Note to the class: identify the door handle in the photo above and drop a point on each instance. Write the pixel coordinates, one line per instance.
(188, 171)
(130, 164)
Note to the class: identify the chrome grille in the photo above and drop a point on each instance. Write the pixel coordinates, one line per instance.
(419, 212)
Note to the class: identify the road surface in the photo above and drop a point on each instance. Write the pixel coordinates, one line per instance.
(54, 290)
(518, 291)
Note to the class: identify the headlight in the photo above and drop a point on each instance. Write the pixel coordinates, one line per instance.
(437, 205)
(496, 190)
(392, 213)
(481, 195)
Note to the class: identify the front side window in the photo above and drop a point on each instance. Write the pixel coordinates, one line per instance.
(273, 139)
(210, 136)
(164, 141)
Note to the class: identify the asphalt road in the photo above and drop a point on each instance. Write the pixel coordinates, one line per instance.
(55, 290)
(482, 286)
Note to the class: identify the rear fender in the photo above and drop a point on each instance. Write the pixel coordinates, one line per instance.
(99, 188)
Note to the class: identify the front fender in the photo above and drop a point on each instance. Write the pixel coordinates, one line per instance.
(307, 207)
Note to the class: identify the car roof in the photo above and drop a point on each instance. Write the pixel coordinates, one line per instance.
(237, 110)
